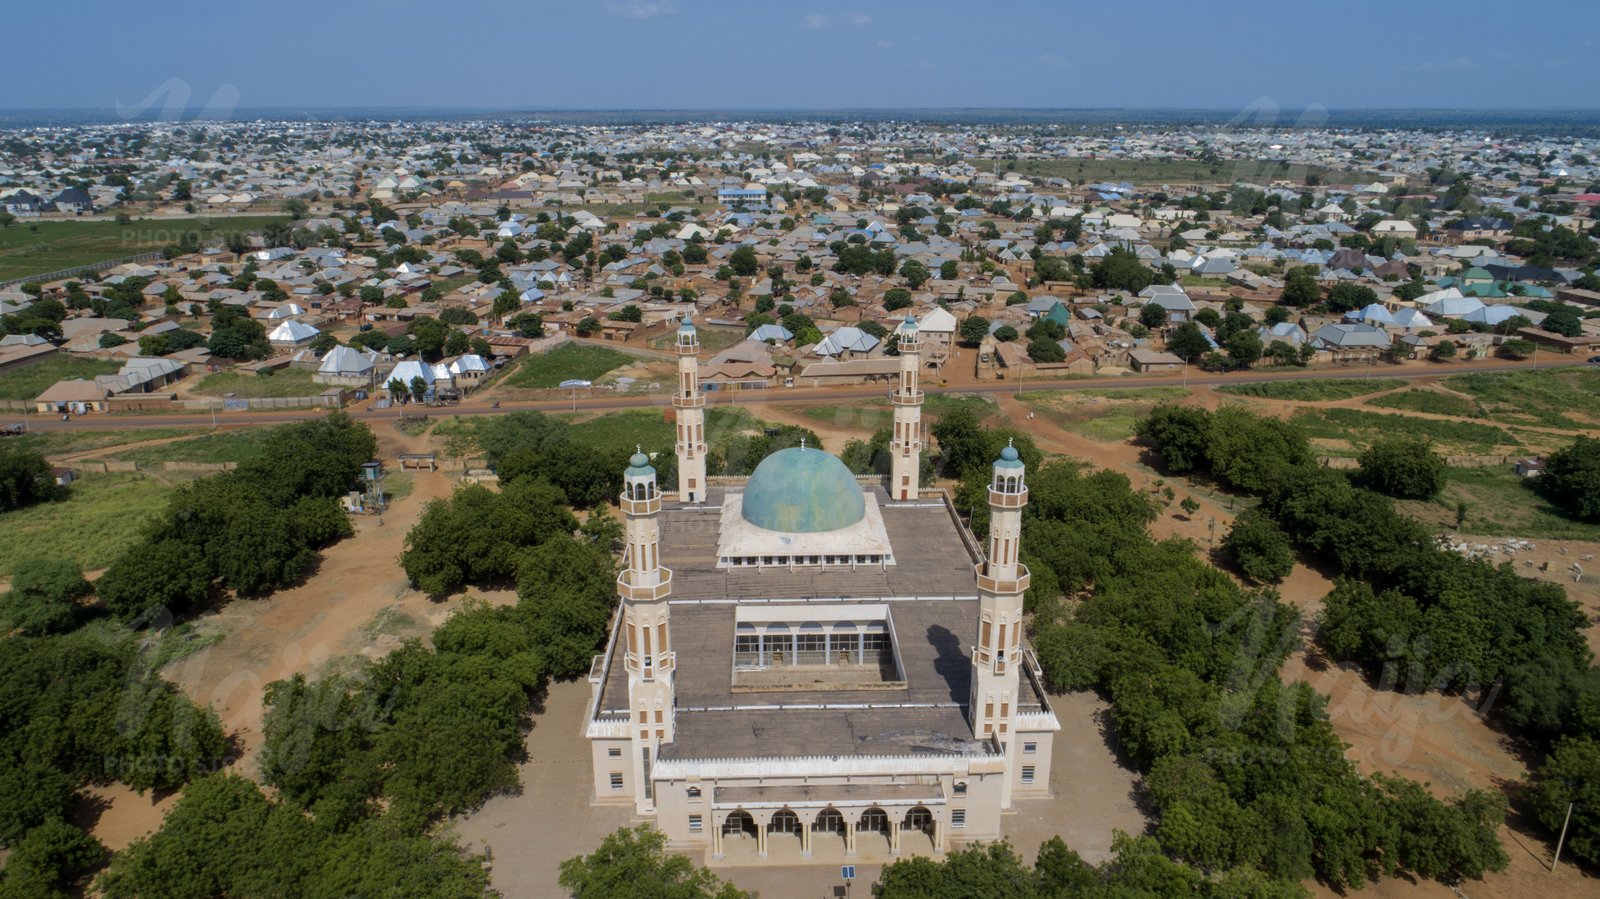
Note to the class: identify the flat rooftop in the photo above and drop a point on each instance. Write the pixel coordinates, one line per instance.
(931, 595)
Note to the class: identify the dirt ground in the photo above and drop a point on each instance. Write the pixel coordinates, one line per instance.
(356, 604)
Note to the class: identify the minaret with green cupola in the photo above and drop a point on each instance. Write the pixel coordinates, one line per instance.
(644, 585)
(1002, 581)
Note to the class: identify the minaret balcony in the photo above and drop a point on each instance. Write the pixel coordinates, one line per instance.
(642, 592)
(687, 349)
(914, 398)
(694, 400)
(649, 506)
(988, 583)
(1005, 500)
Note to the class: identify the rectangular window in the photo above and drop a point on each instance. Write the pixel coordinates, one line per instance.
(1027, 774)
(958, 818)
(1029, 748)
(696, 824)
(616, 780)
(615, 752)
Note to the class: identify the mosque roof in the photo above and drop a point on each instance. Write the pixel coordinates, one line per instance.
(803, 490)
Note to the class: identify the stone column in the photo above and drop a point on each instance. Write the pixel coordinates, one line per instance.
(894, 836)
(850, 837)
(805, 839)
(938, 835)
(761, 840)
(716, 838)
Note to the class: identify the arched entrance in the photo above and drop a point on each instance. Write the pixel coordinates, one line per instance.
(783, 834)
(917, 827)
(739, 826)
(827, 832)
(873, 827)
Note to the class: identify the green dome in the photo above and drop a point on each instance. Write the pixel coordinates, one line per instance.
(803, 491)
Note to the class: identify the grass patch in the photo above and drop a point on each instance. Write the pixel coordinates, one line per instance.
(650, 428)
(29, 381)
(391, 621)
(286, 382)
(1359, 427)
(1104, 416)
(713, 339)
(61, 443)
(446, 285)
(414, 428)
(1432, 402)
(398, 485)
(1150, 394)
(37, 248)
(102, 515)
(1312, 390)
(460, 436)
(1548, 398)
(182, 641)
(566, 362)
(237, 445)
(1499, 504)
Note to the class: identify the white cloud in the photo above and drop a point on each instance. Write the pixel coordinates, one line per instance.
(859, 19)
(1053, 60)
(816, 20)
(883, 43)
(640, 10)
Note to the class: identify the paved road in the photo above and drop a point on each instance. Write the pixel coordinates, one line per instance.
(614, 402)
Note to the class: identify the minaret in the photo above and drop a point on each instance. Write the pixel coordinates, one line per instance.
(1002, 580)
(644, 586)
(690, 403)
(905, 447)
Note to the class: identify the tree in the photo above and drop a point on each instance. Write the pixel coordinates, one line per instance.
(947, 270)
(1244, 348)
(1403, 467)
(632, 863)
(1571, 774)
(1443, 351)
(1005, 334)
(1346, 296)
(1571, 479)
(1042, 349)
(974, 329)
(895, 299)
(1300, 286)
(1152, 315)
(915, 273)
(588, 326)
(1259, 547)
(44, 596)
(24, 477)
(1121, 269)
(49, 860)
(743, 261)
(1517, 348)
(1188, 341)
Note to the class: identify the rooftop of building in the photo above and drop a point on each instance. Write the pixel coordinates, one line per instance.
(932, 600)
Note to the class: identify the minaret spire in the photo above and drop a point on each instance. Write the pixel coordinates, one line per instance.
(905, 446)
(1002, 581)
(690, 403)
(644, 585)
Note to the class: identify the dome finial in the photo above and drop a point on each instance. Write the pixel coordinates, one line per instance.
(802, 443)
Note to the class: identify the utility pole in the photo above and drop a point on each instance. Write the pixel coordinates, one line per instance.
(1562, 841)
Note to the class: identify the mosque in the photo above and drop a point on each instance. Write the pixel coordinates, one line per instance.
(809, 666)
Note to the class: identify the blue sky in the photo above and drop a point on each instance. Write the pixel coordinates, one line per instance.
(708, 54)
